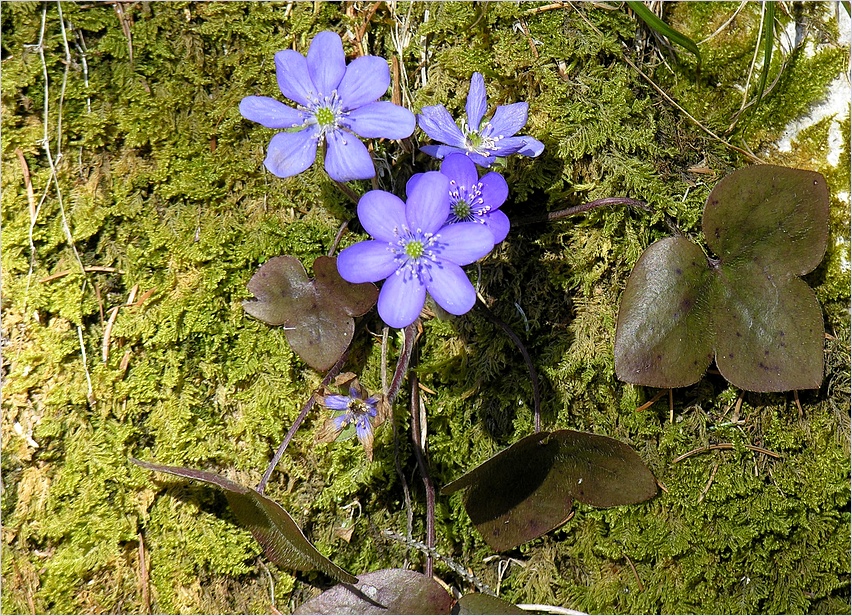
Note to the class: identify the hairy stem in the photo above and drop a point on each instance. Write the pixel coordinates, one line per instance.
(404, 359)
(335, 370)
(527, 359)
(591, 205)
(423, 466)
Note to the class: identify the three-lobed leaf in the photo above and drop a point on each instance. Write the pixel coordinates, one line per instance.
(316, 314)
(749, 309)
(527, 490)
(270, 524)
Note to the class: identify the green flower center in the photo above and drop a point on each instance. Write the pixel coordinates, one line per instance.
(324, 116)
(461, 209)
(474, 140)
(414, 249)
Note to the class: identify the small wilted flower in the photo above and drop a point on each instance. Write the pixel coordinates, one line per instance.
(482, 141)
(415, 251)
(473, 199)
(354, 415)
(335, 102)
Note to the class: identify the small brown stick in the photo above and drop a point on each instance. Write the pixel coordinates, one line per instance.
(92, 268)
(333, 248)
(651, 402)
(113, 313)
(126, 21)
(671, 405)
(142, 298)
(362, 31)
(798, 403)
(28, 183)
(724, 446)
(636, 573)
(546, 7)
(530, 40)
(709, 482)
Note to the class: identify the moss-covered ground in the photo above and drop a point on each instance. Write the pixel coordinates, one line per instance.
(135, 208)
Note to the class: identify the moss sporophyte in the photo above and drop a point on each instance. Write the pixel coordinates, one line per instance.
(335, 102)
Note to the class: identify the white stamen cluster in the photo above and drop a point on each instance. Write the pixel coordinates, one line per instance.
(414, 252)
(327, 114)
(469, 197)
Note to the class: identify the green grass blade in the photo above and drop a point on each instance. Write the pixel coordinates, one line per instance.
(768, 44)
(662, 28)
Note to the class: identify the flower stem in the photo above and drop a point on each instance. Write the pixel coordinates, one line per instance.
(527, 359)
(355, 197)
(410, 337)
(423, 465)
(591, 205)
(335, 370)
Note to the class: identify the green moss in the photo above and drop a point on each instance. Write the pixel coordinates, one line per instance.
(162, 183)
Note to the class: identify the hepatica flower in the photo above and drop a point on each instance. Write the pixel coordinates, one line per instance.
(473, 199)
(415, 251)
(335, 103)
(353, 413)
(483, 141)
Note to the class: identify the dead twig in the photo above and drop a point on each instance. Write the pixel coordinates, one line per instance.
(709, 483)
(635, 573)
(727, 447)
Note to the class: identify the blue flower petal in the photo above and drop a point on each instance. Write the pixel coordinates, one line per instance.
(341, 421)
(461, 170)
(368, 261)
(441, 151)
(495, 190)
(291, 69)
(532, 147)
(465, 242)
(291, 153)
(509, 145)
(347, 158)
(364, 432)
(437, 122)
(326, 62)
(428, 205)
(367, 78)
(401, 300)
(507, 120)
(271, 113)
(336, 402)
(449, 286)
(482, 161)
(498, 223)
(381, 120)
(412, 182)
(382, 215)
(476, 102)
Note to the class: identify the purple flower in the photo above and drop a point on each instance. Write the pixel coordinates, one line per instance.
(473, 199)
(482, 142)
(334, 102)
(414, 251)
(356, 410)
